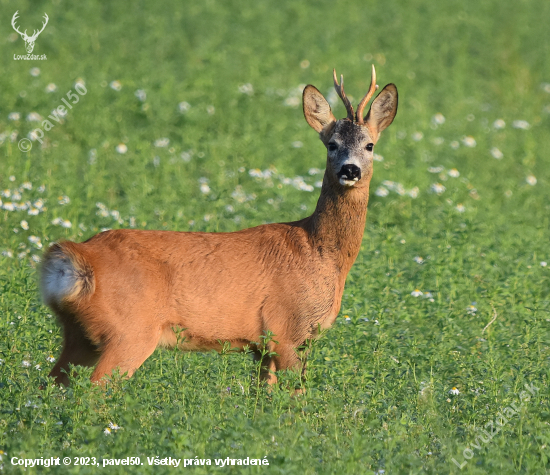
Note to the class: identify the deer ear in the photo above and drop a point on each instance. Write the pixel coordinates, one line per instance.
(316, 109)
(382, 111)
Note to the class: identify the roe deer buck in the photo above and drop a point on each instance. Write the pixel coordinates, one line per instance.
(122, 293)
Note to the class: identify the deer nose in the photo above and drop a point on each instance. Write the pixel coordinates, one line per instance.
(350, 172)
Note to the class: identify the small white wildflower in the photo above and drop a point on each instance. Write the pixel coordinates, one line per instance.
(381, 191)
(460, 208)
(24, 225)
(499, 124)
(496, 153)
(66, 224)
(113, 426)
(107, 431)
(51, 88)
(543, 264)
(121, 148)
(297, 144)
(141, 95)
(521, 124)
(545, 87)
(417, 136)
(116, 85)
(318, 184)
(435, 169)
(418, 259)
(26, 364)
(471, 309)
(531, 180)
(246, 89)
(438, 119)
(205, 189)
(184, 106)
(34, 117)
(413, 193)
(469, 141)
(429, 296)
(453, 173)
(163, 142)
(35, 72)
(211, 110)
(377, 158)
(438, 140)
(292, 101)
(37, 367)
(314, 171)
(438, 188)
(454, 391)
(417, 293)
(8, 206)
(14, 116)
(7, 253)
(57, 221)
(27, 185)
(455, 144)
(63, 200)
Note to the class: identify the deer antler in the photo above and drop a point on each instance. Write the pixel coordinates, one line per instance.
(373, 87)
(35, 34)
(340, 91)
(13, 19)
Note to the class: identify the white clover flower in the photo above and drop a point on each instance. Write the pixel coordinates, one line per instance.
(51, 88)
(531, 180)
(163, 142)
(521, 124)
(116, 85)
(496, 153)
(205, 189)
(453, 173)
(418, 259)
(438, 188)
(417, 293)
(14, 116)
(454, 391)
(469, 141)
(25, 225)
(26, 364)
(184, 106)
(438, 119)
(141, 95)
(35, 72)
(121, 148)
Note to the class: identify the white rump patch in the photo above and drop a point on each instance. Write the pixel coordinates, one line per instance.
(58, 279)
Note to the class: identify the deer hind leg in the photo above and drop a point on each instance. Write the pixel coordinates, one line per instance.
(77, 350)
(268, 368)
(126, 352)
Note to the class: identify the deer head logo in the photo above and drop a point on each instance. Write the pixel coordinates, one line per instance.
(29, 40)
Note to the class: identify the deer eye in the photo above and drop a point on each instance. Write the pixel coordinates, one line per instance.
(369, 147)
(332, 147)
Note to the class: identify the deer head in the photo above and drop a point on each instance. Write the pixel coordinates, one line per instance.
(29, 40)
(350, 141)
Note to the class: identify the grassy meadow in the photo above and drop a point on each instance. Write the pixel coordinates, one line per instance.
(192, 121)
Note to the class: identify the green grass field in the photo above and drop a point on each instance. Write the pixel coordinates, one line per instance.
(186, 103)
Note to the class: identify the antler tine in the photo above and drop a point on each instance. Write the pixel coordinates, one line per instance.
(373, 87)
(36, 33)
(13, 20)
(340, 91)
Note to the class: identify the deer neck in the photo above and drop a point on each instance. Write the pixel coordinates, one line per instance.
(336, 227)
